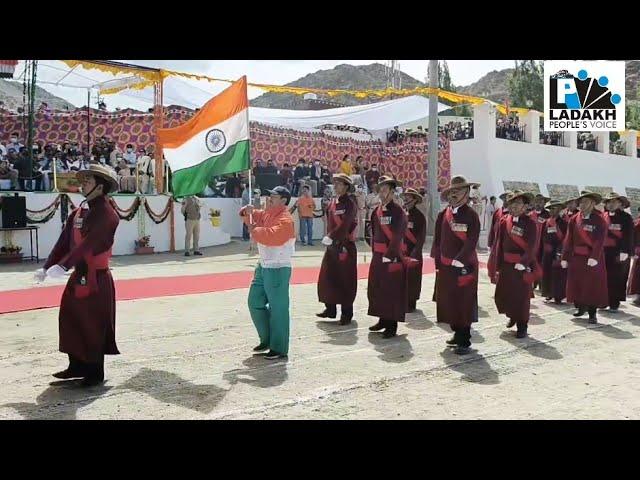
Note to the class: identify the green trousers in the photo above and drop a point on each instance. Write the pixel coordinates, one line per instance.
(269, 306)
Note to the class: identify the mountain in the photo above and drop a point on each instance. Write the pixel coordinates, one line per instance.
(11, 95)
(348, 77)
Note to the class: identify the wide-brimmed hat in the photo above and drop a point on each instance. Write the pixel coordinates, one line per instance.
(554, 203)
(526, 196)
(539, 195)
(458, 181)
(503, 196)
(414, 192)
(101, 171)
(387, 180)
(616, 196)
(343, 177)
(596, 197)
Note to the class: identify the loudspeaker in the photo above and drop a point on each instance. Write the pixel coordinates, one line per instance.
(14, 212)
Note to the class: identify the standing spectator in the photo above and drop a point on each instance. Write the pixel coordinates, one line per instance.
(345, 165)
(306, 206)
(258, 169)
(22, 165)
(270, 169)
(146, 172)
(359, 168)
(232, 186)
(246, 200)
(327, 195)
(287, 177)
(191, 207)
(130, 156)
(489, 211)
(316, 174)
(372, 177)
(299, 174)
(371, 202)
(113, 154)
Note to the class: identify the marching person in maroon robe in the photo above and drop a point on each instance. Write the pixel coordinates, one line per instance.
(583, 256)
(516, 265)
(387, 286)
(87, 317)
(414, 239)
(539, 214)
(501, 212)
(634, 279)
(554, 277)
(455, 240)
(338, 279)
(571, 209)
(618, 247)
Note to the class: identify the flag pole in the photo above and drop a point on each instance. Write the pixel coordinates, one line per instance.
(250, 186)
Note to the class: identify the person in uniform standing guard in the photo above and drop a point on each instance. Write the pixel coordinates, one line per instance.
(414, 239)
(387, 284)
(338, 279)
(516, 262)
(457, 231)
(554, 277)
(87, 318)
(583, 256)
(618, 246)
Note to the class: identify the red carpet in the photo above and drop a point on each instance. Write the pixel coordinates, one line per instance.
(48, 297)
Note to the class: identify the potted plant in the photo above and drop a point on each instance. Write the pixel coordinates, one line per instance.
(11, 254)
(214, 215)
(143, 246)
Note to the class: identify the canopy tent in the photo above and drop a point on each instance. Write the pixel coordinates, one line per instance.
(377, 118)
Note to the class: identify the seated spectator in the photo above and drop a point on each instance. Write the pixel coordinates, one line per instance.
(14, 142)
(270, 169)
(130, 156)
(287, 177)
(299, 174)
(345, 165)
(7, 172)
(372, 177)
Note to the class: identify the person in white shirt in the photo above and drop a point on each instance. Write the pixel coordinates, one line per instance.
(146, 172)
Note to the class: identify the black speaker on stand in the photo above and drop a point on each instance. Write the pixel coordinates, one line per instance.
(14, 211)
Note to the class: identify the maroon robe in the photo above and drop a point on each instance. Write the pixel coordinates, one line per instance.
(554, 277)
(634, 279)
(387, 285)
(456, 238)
(87, 318)
(497, 215)
(414, 241)
(516, 243)
(338, 279)
(619, 240)
(586, 286)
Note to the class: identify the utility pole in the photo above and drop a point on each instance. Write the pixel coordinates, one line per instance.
(432, 159)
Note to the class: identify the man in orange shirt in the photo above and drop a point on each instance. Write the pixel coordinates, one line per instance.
(306, 206)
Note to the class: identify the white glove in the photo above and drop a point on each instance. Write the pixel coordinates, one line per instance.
(519, 267)
(56, 272)
(635, 257)
(386, 260)
(326, 240)
(564, 263)
(457, 263)
(592, 262)
(40, 275)
(623, 257)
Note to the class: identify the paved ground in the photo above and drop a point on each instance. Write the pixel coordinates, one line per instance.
(190, 357)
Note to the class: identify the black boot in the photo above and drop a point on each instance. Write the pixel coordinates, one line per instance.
(613, 307)
(522, 331)
(453, 341)
(592, 315)
(581, 311)
(74, 370)
(378, 326)
(346, 314)
(464, 342)
(391, 330)
(412, 306)
(511, 322)
(330, 311)
(95, 374)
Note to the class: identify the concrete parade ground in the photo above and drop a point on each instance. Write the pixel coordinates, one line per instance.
(190, 357)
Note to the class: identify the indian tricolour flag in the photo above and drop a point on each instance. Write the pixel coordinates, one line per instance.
(215, 141)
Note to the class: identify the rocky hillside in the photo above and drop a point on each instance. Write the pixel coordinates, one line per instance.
(11, 95)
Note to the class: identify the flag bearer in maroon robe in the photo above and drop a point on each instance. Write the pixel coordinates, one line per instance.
(583, 256)
(634, 278)
(414, 239)
(618, 248)
(554, 277)
(87, 317)
(516, 264)
(387, 286)
(455, 240)
(338, 280)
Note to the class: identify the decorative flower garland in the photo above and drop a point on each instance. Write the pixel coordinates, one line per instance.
(159, 218)
(126, 214)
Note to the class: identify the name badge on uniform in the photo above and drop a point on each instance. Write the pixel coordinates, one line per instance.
(459, 227)
(589, 228)
(385, 220)
(339, 212)
(552, 230)
(410, 224)
(517, 231)
(77, 221)
(615, 226)
(541, 220)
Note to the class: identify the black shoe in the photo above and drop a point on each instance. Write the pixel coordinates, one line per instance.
(511, 323)
(69, 373)
(344, 321)
(92, 381)
(199, 254)
(613, 310)
(452, 342)
(593, 320)
(187, 254)
(521, 334)
(579, 313)
(274, 355)
(460, 350)
(377, 327)
(326, 314)
(389, 333)
(412, 308)
(261, 348)
(557, 302)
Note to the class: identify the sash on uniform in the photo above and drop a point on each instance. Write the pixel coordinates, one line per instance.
(584, 236)
(466, 274)
(407, 262)
(529, 275)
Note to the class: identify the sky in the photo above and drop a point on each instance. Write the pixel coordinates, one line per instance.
(194, 94)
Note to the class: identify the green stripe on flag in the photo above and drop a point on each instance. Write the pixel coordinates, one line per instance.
(193, 180)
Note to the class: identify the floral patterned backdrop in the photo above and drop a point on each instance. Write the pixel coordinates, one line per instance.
(406, 160)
